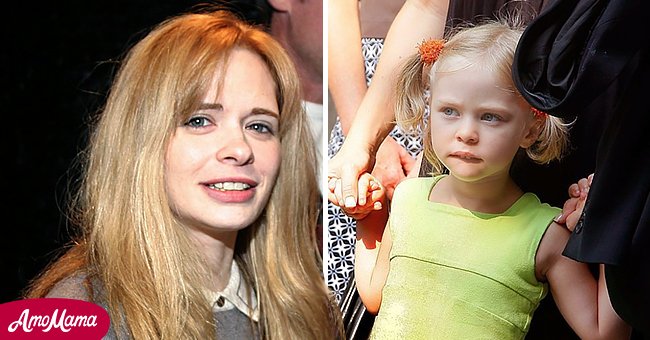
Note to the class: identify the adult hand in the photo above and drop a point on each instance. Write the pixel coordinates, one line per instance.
(348, 164)
(371, 196)
(393, 165)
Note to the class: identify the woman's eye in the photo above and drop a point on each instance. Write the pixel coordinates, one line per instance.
(260, 128)
(197, 121)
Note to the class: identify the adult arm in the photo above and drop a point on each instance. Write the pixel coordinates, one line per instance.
(347, 86)
(346, 75)
(375, 116)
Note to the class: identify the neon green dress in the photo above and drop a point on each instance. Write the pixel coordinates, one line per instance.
(458, 274)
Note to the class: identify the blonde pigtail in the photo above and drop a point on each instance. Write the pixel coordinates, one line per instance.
(552, 142)
(410, 103)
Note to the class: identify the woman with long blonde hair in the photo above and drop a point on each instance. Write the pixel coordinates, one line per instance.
(198, 202)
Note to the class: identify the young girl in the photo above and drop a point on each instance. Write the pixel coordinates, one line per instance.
(468, 254)
(198, 204)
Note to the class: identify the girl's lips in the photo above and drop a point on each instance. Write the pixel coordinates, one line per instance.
(465, 155)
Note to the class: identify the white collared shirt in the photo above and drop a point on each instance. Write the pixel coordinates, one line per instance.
(234, 296)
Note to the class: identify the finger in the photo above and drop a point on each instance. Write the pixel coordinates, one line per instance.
(331, 183)
(352, 212)
(590, 178)
(362, 186)
(583, 183)
(338, 192)
(573, 217)
(581, 204)
(572, 221)
(349, 179)
(377, 196)
(568, 208)
(332, 198)
(574, 190)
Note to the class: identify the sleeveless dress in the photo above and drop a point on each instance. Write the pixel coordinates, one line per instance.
(459, 274)
(376, 17)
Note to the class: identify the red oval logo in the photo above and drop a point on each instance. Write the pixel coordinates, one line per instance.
(52, 318)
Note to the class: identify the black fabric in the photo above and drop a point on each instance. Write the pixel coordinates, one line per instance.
(589, 59)
(572, 44)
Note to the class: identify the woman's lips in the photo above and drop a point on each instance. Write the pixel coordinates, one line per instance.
(231, 190)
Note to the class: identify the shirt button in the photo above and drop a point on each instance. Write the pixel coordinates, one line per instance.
(220, 301)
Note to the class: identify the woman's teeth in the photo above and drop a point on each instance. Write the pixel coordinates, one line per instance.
(229, 186)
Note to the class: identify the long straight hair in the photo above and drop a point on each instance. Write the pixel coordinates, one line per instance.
(151, 275)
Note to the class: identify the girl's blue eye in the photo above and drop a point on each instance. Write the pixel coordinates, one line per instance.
(197, 121)
(449, 111)
(490, 117)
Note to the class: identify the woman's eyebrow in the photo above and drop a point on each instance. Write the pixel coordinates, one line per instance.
(262, 111)
(210, 106)
(254, 111)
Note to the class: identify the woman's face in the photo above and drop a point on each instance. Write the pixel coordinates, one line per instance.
(223, 161)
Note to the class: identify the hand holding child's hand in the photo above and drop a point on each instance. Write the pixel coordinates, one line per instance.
(371, 196)
(392, 165)
(573, 207)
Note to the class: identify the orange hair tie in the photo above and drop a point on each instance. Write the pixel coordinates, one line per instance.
(429, 50)
(538, 113)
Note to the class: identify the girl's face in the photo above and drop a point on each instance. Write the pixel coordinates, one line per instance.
(223, 161)
(478, 123)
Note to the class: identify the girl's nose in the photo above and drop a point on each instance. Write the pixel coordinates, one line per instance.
(467, 132)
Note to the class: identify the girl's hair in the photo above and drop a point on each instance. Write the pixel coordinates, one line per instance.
(151, 275)
(490, 44)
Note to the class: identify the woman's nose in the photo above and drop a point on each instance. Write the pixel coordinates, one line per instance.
(235, 148)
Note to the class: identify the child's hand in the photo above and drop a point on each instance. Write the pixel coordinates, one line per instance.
(371, 196)
(573, 207)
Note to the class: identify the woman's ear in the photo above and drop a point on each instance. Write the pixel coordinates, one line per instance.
(533, 131)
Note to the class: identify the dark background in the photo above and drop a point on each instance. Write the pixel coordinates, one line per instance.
(58, 59)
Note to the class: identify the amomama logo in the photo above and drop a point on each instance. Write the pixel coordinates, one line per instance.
(52, 319)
